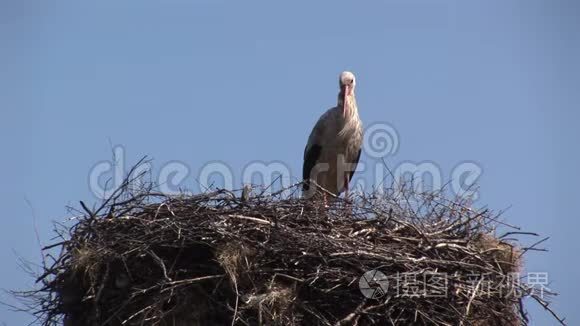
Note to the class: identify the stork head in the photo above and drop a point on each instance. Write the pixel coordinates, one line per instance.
(347, 84)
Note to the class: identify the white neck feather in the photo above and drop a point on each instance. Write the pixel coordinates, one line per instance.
(351, 120)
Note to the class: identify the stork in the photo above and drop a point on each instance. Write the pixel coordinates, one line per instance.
(334, 146)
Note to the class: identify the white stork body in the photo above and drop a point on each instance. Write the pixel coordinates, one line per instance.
(334, 145)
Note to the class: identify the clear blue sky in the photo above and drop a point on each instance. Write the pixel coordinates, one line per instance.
(495, 82)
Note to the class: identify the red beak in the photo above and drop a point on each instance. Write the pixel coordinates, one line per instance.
(344, 103)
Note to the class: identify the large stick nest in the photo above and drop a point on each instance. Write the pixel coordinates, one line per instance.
(222, 259)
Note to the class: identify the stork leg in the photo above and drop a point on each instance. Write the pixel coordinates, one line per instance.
(346, 194)
(346, 187)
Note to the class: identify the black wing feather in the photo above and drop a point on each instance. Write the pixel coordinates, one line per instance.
(354, 164)
(310, 159)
